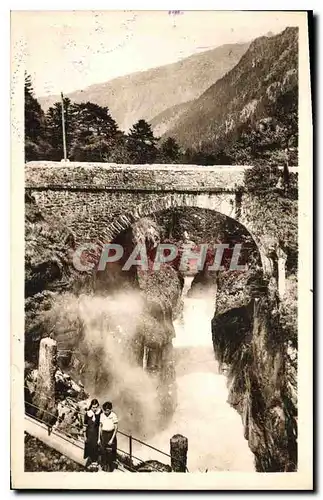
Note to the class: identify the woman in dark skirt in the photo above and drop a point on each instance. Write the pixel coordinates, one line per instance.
(108, 437)
(91, 423)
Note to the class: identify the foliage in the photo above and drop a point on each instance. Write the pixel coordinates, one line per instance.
(251, 114)
(288, 312)
(142, 143)
(48, 249)
(36, 146)
(89, 130)
(250, 117)
(94, 132)
(271, 140)
(169, 151)
(34, 115)
(268, 68)
(271, 205)
(54, 133)
(41, 458)
(91, 135)
(119, 153)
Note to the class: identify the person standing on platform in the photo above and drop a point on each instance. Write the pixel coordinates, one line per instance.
(108, 437)
(91, 424)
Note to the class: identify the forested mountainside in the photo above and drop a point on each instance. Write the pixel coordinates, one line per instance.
(251, 110)
(249, 116)
(168, 118)
(146, 94)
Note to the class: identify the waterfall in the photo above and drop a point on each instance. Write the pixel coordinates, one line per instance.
(213, 428)
(193, 328)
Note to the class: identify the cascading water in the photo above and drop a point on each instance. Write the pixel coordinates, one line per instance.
(213, 428)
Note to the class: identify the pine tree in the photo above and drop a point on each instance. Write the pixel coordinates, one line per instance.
(142, 143)
(54, 129)
(94, 132)
(35, 145)
(169, 151)
(91, 133)
(119, 151)
(96, 119)
(34, 115)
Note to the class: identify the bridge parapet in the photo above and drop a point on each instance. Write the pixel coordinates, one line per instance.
(104, 176)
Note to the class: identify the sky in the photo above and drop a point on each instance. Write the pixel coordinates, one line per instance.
(70, 50)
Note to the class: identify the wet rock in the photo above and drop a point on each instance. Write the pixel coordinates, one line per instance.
(262, 379)
(153, 466)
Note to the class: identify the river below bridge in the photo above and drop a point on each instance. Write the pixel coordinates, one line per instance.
(213, 428)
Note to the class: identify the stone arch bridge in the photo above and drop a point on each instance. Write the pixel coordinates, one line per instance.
(98, 200)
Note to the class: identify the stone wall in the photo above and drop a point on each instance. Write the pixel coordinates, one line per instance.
(98, 201)
(133, 177)
(103, 214)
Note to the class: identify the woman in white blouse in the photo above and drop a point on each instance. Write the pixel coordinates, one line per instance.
(108, 436)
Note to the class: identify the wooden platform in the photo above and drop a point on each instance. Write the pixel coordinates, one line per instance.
(69, 447)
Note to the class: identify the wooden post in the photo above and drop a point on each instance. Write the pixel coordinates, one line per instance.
(178, 452)
(45, 387)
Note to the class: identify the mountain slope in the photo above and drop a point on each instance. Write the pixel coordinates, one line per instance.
(168, 118)
(148, 93)
(249, 92)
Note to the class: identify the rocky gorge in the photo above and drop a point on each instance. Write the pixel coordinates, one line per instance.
(115, 329)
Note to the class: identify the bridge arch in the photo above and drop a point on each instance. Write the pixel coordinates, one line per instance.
(223, 203)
